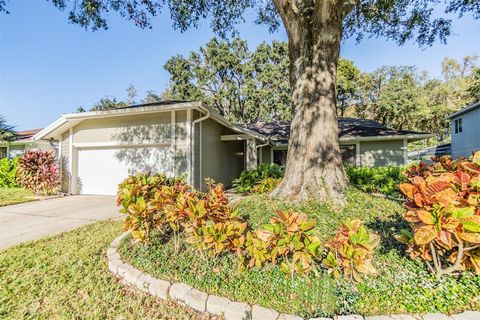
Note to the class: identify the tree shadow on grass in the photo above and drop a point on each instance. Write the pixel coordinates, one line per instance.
(387, 228)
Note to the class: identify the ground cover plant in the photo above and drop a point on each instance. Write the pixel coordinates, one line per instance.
(263, 179)
(38, 172)
(66, 277)
(400, 285)
(443, 209)
(383, 180)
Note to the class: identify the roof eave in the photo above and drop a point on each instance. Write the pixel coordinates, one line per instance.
(465, 110)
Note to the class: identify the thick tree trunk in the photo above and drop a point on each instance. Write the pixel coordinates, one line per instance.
(314, 165)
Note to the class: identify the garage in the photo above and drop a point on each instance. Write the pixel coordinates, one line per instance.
(100, 170)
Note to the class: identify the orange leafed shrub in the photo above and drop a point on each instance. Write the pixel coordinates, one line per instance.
(443, 209)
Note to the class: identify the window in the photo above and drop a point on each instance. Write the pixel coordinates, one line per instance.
(458, 125)
(280, 157)
(349, 154)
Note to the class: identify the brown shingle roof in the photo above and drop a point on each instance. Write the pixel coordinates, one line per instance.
(26, 134)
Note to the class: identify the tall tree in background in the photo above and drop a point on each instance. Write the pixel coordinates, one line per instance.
(474, 87)
(389, 95)
(315, 29)
(7, 132)
(241, 85)
(348, 76)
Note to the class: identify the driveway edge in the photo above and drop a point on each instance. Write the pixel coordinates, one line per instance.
(231, 310)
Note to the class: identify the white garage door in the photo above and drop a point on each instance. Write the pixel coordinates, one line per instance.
(101, 170)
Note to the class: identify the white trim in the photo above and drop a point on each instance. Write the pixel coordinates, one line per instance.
(390, 137)
(201, 156)
(115, 144)
(192, 168)
(189, 144)
(405, 152)
(358, 155)
(70, 150)
(173, 143)
(60, 151)
(70, 160)
(235, 137)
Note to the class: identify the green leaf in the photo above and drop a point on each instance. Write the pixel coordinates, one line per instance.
(471, 224)
(464, 212)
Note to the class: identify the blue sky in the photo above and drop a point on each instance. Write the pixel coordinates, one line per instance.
(49, 67)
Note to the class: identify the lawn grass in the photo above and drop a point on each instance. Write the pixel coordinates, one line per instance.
(402, 285)
(66, 277)
(14, 195)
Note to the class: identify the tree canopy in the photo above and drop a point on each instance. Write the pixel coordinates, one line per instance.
(242, 85)
(399, 20)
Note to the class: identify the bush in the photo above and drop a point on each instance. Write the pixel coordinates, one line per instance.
(383, 180)
(38, 172)
(250, 178)
(351, 251)
(289, 239)
(8, 171)
(143, 198)
(443, 209)
(169, 206)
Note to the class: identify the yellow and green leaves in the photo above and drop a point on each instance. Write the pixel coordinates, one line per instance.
(443, 209)
(289, 239)
(351, 251)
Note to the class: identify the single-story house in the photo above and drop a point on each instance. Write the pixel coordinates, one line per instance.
(465, 128)
(99, 149)
(24, 142)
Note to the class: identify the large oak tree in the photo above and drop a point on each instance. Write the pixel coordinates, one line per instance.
(315, 29)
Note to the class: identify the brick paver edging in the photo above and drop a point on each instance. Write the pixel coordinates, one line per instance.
(230, 310)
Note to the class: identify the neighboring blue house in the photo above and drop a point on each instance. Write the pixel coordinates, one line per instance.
(465, 125)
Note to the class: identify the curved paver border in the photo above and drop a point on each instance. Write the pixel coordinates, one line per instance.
(230, 310)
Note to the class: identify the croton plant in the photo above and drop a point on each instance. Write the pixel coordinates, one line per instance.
(443, 209)
(289, 238)
(351, 251)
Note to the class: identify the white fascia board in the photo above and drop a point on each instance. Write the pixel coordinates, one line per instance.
(412, 136)
(44, 132)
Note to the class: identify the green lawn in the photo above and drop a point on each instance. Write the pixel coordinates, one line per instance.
(66, 277)
(402, 285)
(14, 195)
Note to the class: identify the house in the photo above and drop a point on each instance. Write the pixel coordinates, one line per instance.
(362, 142)
(465, 126)
(98, 149)
(24, 142)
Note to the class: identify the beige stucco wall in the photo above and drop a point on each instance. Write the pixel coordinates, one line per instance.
(154, 128)
(372, 153)
(222, 161)
(381, 153)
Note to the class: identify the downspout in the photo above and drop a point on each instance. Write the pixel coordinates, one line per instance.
(194, 122)
(263, 145)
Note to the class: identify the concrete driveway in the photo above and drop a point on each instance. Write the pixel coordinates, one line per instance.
(35, 220)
